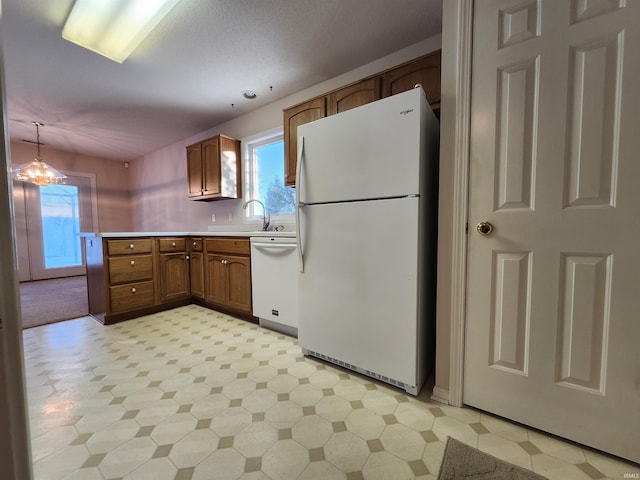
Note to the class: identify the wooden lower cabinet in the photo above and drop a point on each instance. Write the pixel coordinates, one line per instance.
(174, 277)
(196, 272)
(132, 296)
(130, 277)
(173, 269)
(228, 275)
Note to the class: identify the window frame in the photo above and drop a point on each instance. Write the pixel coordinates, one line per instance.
(253, 213)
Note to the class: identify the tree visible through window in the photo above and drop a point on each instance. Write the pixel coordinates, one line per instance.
(266, 177)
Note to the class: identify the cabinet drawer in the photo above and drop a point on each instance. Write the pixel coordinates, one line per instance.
(131, 297)
(132, 245)
(172, 245)
(228, 245)
(131, 268)
(195, 244)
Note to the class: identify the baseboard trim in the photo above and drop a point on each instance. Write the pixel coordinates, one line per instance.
(440, 395)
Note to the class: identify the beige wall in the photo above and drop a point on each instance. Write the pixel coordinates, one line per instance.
(160, 186)
(112, 182)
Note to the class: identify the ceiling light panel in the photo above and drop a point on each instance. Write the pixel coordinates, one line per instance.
(114, 28)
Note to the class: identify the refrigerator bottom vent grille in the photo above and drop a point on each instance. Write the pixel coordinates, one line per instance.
(355, 368)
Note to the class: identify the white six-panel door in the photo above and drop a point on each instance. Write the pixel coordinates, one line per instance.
(553, 307)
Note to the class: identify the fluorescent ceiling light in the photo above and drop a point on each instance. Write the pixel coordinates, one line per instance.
(114, 28)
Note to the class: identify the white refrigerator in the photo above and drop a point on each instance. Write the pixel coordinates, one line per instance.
(366, 228)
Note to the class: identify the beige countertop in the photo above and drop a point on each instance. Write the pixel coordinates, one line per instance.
(231, 233)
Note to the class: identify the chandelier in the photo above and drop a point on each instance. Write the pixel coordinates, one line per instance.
(38, 171)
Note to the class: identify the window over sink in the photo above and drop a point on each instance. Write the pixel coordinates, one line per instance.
(264, 178)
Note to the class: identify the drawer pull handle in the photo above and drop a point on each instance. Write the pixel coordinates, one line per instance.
(131, 246)
(133, 262)
(173, 244)
(195, 243)
(133, 290)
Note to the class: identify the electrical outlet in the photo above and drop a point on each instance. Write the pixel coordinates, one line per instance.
(213, 217)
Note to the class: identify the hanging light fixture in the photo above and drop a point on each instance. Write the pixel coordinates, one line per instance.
(38, 171)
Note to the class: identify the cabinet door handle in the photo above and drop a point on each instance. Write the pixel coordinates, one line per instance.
(133, 262)
(195, 243)
(173, 244)
(187, 257)
(133, 290)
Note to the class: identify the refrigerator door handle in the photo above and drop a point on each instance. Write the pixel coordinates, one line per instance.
(299, 203)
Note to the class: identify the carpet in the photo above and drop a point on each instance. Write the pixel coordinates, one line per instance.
(49, 301)
(462, 461)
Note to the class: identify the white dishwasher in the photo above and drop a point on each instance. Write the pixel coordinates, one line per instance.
(274, 282)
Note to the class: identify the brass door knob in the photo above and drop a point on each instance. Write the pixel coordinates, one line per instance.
(484, 228)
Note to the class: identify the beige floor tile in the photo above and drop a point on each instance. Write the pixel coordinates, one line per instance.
(503, 428)
(306, 395)
(173, 428)
(379, 402)
(321, 470)
(556, 469)
(92, 473)
(255, 439)
(312, 431)
(52, 440)
(403, 442)
(284, 414)
(557, 448)
(285, 459)
(231, 421)
(365, 423)
(346, 451)
(610, 466)
(414, 416)
(154, 469)
(193, 448)
(384, 466)
(504, 449)
(112, 436)
(445, 427)
(226, 464)
(61, 463)
(333, 408)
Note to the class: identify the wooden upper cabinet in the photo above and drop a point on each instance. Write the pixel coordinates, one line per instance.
(424, 71)
(294, 117)
(211, 162)
(195, 170)
(213, 169)
(353, 96)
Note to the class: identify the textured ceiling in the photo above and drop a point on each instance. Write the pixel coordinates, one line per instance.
(184, 77)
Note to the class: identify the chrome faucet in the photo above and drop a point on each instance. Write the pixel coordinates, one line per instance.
(265, 221)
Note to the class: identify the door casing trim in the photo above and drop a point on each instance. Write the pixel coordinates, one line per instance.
(459, 15)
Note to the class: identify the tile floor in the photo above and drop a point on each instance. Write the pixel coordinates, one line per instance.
(193, 394)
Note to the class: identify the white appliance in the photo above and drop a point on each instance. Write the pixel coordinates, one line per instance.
(274, 267)
(366, 219)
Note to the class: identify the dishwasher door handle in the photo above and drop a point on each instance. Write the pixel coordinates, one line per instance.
(274, 246)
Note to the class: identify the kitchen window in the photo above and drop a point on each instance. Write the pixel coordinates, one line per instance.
(265, 179)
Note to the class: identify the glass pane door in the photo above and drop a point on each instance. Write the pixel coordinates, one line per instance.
(60, 214)
(55, 215)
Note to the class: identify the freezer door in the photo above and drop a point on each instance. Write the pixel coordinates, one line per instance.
(373, 151)
(359, 293)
